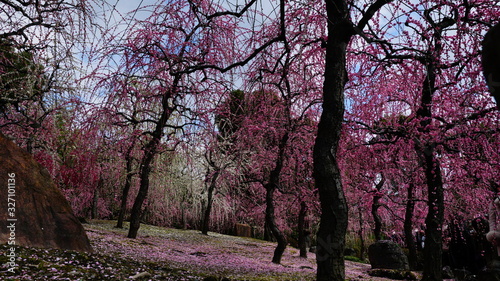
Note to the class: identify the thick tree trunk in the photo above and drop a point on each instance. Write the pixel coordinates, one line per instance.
(408, 229)
(271, 186)
(271, 222)
(334, 211)
(126, 188)
(145, 170)
(433, 249)
(208, 207)
(302, 230)
(425, 150)
(377, 230)
(268, 236)
(150, 150)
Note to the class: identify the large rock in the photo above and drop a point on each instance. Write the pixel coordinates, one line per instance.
(387, 255)
(33, 211)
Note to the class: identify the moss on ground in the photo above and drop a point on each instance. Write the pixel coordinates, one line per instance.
(52, 264)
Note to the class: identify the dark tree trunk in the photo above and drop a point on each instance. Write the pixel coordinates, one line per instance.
(327, 176)
(362, 246)
(183, 216)
(334, 211)
(126, 187)
(150, 150)
(271, 186)
(144, 172)
(302, 230)
(425, 150)
(377, 231)
(271, 222)
(408, 229)
(433, 249)
(95, 202)
(208, 207)
(268, 235)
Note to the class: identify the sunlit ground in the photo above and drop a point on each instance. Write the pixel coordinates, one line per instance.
(166, 254)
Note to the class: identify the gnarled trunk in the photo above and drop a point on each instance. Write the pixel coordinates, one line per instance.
(126, 187)
(377, 230)
(150, 150)
(145, 171)
(425, 150)
(274, 180)
(208, 207)
(408, 228)
(433, 249)
(334, 211)
(271, 222)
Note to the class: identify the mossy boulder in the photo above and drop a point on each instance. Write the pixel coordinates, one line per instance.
(386, 254)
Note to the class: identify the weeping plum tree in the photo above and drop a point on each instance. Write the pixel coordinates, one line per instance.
(27, 28)
(126, 110)
(261, 137)
(219, 152)
(267, 126)
(178, 53)
(331, 234)
(299, 87)
(31, 61)
(21, 78)
(37, 89)
(172, 53)
(219, 163)
(278, 126)
(433, 112)
(261, 122)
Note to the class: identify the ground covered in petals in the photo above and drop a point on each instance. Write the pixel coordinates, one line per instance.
(166, 254)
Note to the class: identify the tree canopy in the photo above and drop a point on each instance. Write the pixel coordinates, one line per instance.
(334, 117)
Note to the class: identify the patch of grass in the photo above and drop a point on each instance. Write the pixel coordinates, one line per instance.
(393, 274)
(45, 264)
(354, 259)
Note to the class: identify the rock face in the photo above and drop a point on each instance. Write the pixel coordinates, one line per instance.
(33, 211)
(387, 255)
